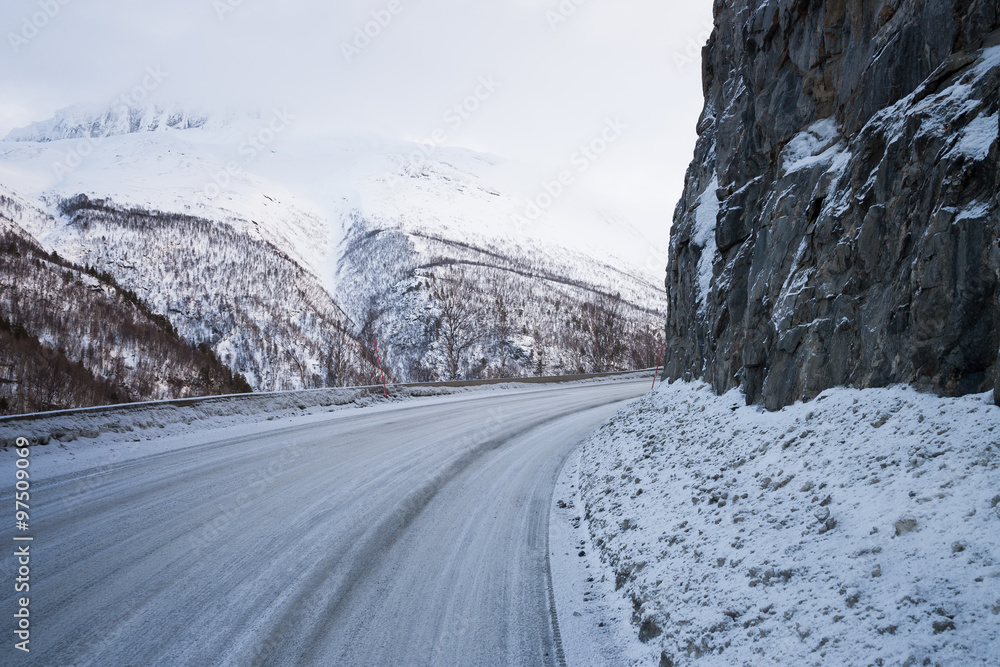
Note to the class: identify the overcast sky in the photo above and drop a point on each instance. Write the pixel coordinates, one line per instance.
(562, 68)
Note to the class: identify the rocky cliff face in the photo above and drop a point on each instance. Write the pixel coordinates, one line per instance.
(840, 220)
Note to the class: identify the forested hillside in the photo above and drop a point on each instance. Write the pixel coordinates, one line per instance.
(72, 336)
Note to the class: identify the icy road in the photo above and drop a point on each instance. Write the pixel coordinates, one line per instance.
(411, 534)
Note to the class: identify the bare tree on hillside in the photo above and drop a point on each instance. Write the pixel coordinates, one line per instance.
(369, 359)
(539, 352)
(455, 298)
(299, 365)
(646, 343)
(605, 332)
(502, 309)
(337, 372)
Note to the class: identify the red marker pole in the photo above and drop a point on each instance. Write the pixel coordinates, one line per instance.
(658, 366)
(379, 360)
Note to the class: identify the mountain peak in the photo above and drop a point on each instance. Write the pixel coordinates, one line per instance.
(83, 120)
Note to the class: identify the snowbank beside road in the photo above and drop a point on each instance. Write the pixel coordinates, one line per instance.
(143, 418)
(860, 528)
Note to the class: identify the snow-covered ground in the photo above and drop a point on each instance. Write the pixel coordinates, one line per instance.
(860, 528)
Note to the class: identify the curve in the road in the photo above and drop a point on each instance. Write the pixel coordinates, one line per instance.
(411, 536)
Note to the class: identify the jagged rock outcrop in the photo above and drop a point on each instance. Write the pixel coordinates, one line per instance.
(840, 220)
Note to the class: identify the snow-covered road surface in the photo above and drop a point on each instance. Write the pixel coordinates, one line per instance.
(413, 535)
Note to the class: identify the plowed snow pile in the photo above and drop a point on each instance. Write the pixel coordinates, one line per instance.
(861, 528)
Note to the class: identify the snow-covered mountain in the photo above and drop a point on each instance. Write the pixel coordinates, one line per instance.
(270, 242)
(86, 121)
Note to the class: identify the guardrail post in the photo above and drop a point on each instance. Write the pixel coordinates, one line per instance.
(379, 360)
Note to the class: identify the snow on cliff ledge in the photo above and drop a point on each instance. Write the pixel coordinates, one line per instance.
(862, 528)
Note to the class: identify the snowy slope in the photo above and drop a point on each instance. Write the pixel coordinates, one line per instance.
(167, 170)
(859, 528)
(303, 189)
(71, 336)
(259, 311)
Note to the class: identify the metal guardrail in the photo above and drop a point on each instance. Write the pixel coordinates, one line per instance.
(367, 389)
(547, 379)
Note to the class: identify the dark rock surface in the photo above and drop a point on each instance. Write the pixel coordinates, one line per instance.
(840, 219)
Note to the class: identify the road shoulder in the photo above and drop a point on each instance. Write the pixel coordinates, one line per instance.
(591, 616)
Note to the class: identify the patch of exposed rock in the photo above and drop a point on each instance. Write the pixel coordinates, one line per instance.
(840, 220)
